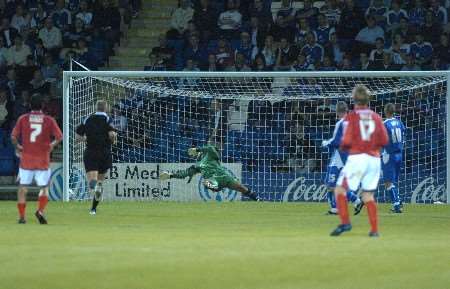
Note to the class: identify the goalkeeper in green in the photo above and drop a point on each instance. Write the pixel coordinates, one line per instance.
(214, 173)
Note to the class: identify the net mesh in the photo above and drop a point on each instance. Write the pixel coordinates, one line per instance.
(268, 130)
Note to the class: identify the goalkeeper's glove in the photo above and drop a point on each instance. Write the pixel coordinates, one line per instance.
(325, 143)
(192, 152)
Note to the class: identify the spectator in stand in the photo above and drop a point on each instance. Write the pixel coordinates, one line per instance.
(17, 54)
(386, 64)
(352, 20)
(230, 21)
(443, 50)
(191, 66)
(259, 64)
(377, 55)
(301, 64)
(269, 51)
(410, 64)
(3, 54)
(224, 54)
(6, 113)
(431, 29)
(51, 107)
(107, 18)
(196, 52)
(417, 14)
(421, 50)
(439, 12)
(39, 84)
(21, 20)
(22, 106)
(180, 18)
(25, 73)
(39, 51)
(61, 16)
(328, 64)
(347, 64)
(205, 18)
(156, 62)
(38, 17)
(302, 29)
(363, 62)
(8, 33)
(11, 84)
(378, 10)
(436, 64)
(51, 37)
(308, 13)
(189, 31)
(331, 11)
(85, 14)
(407, 31)
(334, 50)
(394, 15)
(286, 55)
(259, 11)
(368, 35)
(76, 32)
(285, 22)
(239, 64)
(49, 69)
(313, 51)
(257, 32)
(323, 30)
(246, 48)
(399, 49)
(212, 66)
(166, 53)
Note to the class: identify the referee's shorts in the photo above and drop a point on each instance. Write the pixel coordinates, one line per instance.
(97, 161)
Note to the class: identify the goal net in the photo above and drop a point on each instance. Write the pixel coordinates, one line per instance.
(268, 128)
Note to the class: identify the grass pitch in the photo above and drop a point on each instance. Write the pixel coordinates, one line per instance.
(213, 246)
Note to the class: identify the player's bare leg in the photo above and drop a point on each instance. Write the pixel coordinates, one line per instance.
(395, 199)
(42, 203)
(342, 206)
(22, 203)
(92, 178)
(245, 191)
(369, 200)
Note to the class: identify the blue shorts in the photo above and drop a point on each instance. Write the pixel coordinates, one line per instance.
(391, 165)
(332, 176)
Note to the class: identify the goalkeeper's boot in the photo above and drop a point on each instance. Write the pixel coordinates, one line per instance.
(22, 221)
(93, 212)
(213, 186)
(341, 229)
(374, 234)
(358, 208)
(41, 218)
(165, 175)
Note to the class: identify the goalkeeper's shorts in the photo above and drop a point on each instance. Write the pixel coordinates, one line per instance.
(217, 183)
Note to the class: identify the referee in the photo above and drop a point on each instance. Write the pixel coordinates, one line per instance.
(99, 134)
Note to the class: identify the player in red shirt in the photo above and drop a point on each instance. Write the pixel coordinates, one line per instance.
(363, 139)
(35, 135)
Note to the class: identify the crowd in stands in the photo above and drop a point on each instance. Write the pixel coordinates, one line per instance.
(238, 35)
(39, 38)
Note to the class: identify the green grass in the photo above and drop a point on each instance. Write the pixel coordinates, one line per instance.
(213, 246)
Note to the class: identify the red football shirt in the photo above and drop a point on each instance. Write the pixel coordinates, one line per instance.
(365, 133)
(36, 131)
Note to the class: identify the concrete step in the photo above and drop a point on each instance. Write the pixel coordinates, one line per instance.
(146, 32)
(128, 61)
(133, 51)
(150, 24)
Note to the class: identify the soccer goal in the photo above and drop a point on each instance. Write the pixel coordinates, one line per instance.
(268, 128)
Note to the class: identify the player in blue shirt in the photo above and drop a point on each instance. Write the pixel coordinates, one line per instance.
(392, 156)
(337, 162)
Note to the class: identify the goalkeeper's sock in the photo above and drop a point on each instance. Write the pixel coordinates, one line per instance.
(21, 208)
(252, 195)
(372, 214)
(342, 206)
(94, 204)
(42, 203)
(331, 199)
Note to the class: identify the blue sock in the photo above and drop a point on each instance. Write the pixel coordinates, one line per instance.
(393, 193)
(351, 196)
(331, 199)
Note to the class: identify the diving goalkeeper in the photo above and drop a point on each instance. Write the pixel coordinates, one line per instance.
(214, 173)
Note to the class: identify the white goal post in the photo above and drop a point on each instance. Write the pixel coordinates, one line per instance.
(268, 127)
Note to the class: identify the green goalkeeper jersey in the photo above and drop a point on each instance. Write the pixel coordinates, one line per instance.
(209, 163)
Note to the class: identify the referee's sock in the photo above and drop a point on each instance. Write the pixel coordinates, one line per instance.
(94, 204)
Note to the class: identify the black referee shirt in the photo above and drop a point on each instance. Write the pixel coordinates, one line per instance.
(96, 128)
